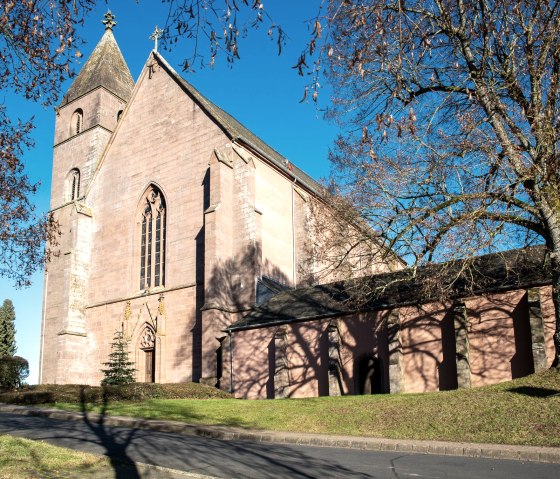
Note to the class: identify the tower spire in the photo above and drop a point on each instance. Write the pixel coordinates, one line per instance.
(105, 67)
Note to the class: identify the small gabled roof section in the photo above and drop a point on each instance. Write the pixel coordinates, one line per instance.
(105, 68)
(237, 132)
(491, 273)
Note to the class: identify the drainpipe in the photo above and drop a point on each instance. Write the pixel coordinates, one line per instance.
(230, 362)
(293, 234)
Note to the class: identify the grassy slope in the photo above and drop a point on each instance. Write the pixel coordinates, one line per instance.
(524, 411)
(22, 459)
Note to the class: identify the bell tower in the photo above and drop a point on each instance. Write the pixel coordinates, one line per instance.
(87, 116)
(85, 121)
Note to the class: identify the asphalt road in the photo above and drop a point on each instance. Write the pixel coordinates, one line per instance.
(243, 459)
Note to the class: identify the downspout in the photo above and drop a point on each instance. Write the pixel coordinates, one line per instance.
(46, 290)
(293, 235)
(230, 361)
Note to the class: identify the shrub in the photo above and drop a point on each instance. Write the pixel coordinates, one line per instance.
(73, 393)
(13, 371)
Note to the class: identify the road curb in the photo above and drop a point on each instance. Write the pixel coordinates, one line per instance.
(490, 451)
(150, 471)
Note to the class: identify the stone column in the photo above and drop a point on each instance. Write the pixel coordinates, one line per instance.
(72, 362)
(396, 379)
(335, 388)
(281, 376)
(537, 329)
(461, 325)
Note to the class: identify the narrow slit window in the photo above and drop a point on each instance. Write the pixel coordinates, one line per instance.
(77, 124)
(73, 185)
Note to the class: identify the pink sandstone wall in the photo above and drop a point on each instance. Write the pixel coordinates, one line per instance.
(163, 138)
(499, 339)
(275, 199)
(423, 352)
(548, 314)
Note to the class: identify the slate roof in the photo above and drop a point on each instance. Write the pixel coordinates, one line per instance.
(105, 67)
(514, 269)
(236, 131)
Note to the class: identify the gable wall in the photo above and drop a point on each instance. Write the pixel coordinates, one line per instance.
(163, 138)
(166, 139)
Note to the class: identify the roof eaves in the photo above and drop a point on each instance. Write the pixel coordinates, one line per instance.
(300, 319)
(314, 188)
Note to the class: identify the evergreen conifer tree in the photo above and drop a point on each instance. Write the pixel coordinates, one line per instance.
(120, 370)
(7, 329)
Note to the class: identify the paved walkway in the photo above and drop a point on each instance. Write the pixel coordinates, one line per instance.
(492, 451)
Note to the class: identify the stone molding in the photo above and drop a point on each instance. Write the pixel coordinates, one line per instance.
(281, 376)
(396, 374)
(538, 344)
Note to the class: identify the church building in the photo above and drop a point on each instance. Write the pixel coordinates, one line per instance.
(187, 232)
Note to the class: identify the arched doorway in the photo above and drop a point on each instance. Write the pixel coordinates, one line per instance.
(148, 350)
(369, 375)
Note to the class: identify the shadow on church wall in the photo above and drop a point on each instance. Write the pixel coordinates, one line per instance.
(196, 331)
(226, 295)
(499, 349)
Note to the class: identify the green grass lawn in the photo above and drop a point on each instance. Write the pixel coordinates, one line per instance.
(25, 459)
(523, 411)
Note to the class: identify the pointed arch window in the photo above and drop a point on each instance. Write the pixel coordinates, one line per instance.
(152, 239)
(77, 123)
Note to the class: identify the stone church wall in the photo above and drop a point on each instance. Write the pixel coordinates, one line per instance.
(82, 150)
(230, 217)
(408, 349)
(166, 140)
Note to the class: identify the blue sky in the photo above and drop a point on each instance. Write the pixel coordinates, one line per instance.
(261, 90)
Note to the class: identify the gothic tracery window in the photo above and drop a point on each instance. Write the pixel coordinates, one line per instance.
(152, 239)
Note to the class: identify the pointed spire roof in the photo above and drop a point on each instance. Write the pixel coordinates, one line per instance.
(105, 67)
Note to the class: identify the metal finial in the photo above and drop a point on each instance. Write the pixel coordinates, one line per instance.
(158, 32)
(109, 21)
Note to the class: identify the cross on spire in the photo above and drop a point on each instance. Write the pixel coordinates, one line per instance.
(158, 32)
(109, 21)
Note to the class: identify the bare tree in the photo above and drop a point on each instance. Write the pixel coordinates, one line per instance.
(215, 27)
(452, 119)
(37, 46)
(450, 112)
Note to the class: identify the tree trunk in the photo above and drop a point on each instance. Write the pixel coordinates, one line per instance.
(555, 265)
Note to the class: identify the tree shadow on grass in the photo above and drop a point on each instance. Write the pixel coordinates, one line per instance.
(115, 446)
(533, 391)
